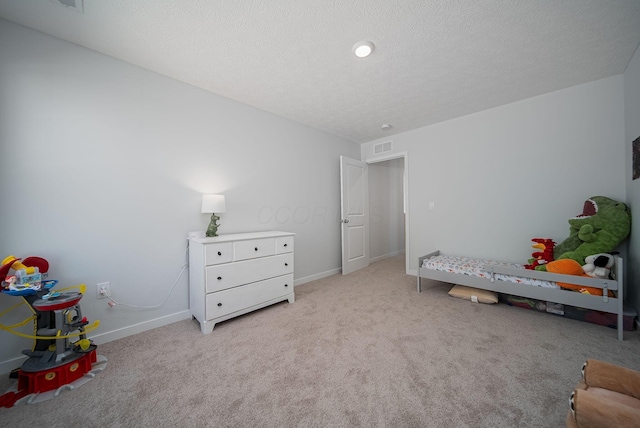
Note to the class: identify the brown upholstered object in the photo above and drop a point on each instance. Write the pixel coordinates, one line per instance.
(570, 422)
(614, 378)
(581, 385)
(600, 408)
(606, 397)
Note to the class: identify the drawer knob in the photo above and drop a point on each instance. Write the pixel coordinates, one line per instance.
(219, 253)
(286, 245)
(219, 278)
(286, 285)
(256, 248)
(219, 304)
(286, 264)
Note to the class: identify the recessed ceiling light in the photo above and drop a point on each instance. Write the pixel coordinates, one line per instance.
(363, 49)
(386, 127)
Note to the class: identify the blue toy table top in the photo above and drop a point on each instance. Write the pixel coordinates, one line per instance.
(46, 285)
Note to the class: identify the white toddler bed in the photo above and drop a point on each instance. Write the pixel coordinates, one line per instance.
(512, 278)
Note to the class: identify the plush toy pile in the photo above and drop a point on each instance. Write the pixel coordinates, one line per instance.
(572, 267)
(603, 225)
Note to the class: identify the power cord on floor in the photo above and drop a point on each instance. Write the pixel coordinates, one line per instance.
(113, 302)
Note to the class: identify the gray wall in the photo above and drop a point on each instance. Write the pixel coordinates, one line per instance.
(632, 122)
(103, 164)
(386, 211)
(503, 176)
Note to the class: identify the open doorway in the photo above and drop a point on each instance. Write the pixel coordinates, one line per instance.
(386, 209)
(391, 210)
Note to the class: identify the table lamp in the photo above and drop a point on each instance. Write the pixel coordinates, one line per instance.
(212, 204)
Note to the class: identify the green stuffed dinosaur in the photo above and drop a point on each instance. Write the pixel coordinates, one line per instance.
(602, 226)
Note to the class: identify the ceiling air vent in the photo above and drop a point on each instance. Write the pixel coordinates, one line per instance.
(71, 4)
(382, 147)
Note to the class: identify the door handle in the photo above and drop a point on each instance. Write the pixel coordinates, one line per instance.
(345, 221)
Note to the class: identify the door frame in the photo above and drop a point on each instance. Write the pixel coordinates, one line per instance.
(405, 195)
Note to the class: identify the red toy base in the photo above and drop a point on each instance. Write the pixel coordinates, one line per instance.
(50, 379)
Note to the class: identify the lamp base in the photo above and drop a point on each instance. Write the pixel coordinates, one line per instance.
(212, 230)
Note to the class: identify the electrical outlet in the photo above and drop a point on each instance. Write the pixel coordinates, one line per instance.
(103, 290)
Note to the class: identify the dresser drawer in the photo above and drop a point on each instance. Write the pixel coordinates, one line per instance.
(235, 299)
(221, 277)
(218, 253)
(284, 244)
(254, 248)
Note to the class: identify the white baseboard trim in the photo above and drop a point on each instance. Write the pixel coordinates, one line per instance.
(316, 276)
(14, 363)
(386, 256)
(325, 274)
(140, 327)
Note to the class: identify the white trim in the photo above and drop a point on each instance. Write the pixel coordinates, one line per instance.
(316, 276)
(386, 256)
(140, 327)
(407, 223)
(388, 156)
(14, 363)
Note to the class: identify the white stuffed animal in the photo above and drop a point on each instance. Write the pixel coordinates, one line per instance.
(598, 265)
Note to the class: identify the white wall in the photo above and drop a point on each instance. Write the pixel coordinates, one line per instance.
(503, 176)
(386, 216)
(103, 164)
(632, 127)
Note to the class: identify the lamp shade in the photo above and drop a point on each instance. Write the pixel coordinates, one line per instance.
(213, 204)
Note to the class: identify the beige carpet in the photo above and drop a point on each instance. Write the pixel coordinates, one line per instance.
(365, 350)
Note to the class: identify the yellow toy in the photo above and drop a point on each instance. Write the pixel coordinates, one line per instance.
(17, 266)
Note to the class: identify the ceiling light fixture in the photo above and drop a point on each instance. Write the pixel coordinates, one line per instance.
(363, 49)
(386, 127)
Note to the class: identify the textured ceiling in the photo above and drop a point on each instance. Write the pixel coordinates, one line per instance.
(434, 59)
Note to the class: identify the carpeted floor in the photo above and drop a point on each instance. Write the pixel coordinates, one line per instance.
(364, 350)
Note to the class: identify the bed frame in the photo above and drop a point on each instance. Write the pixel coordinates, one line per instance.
(602, 303)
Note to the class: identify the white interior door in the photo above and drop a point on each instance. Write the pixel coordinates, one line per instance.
(354, 193)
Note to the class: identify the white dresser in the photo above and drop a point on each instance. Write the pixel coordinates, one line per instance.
(230, 275)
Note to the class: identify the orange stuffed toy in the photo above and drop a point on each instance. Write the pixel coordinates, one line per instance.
(572, 267)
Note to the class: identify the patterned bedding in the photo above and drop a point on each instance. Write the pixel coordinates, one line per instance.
(475, 267)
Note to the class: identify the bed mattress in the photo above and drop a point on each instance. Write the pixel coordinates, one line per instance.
(476, 267)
